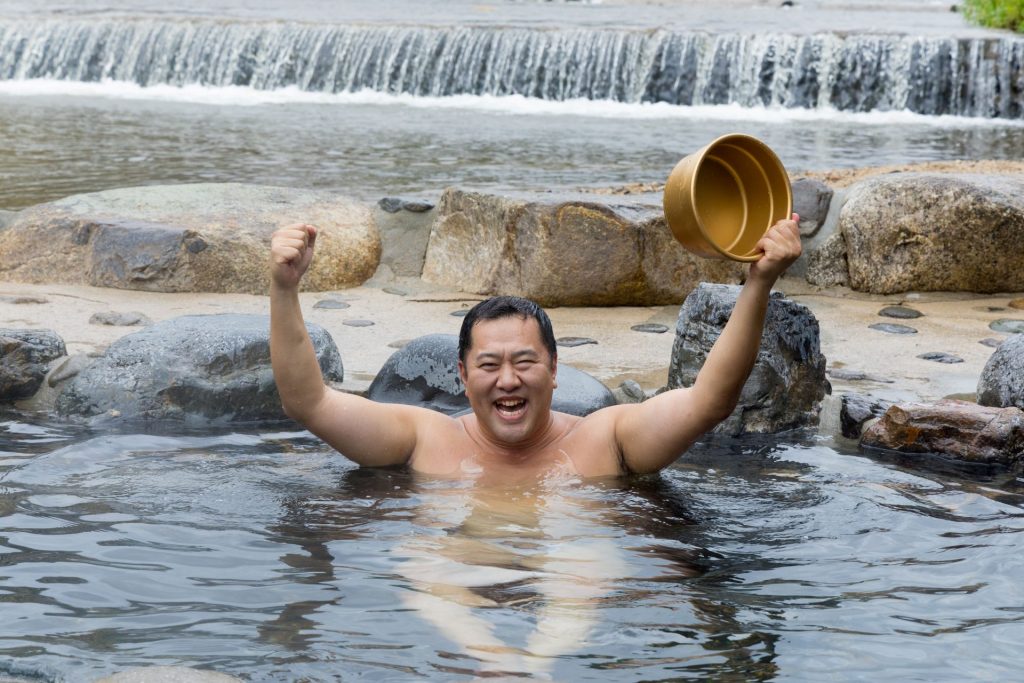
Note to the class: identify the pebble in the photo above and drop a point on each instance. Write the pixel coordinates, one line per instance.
(941, 357)
(1007, 325)
(330, 303)
(653, 328)
(23, 300)
(394, 290)
(461, 313)
(358, 323)
(574, 341)
(989, 341)
(1016, 303)
(893, 328)
(856, 376)
(901, 312)
(399, 343)
(390, 204)
(119, 319)
(417, 206)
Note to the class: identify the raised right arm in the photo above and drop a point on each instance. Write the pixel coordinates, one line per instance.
(366, 432)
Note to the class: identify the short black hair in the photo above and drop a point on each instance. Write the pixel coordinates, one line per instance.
(506, 307)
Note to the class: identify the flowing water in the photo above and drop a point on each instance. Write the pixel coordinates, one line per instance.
(265, 555)
(410, 97)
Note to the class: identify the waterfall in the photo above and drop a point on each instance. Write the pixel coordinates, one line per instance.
(981, 77)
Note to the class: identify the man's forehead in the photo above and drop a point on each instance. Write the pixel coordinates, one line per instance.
(521, 333)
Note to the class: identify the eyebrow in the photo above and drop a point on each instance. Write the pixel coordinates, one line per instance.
(516, 355)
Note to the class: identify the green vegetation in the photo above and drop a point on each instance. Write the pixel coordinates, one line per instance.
(996, 13)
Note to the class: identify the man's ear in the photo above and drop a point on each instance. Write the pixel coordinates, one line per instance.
(462, 373)
(554, 371)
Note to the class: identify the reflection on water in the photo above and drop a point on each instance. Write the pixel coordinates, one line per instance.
(267, 556)
(51, 147)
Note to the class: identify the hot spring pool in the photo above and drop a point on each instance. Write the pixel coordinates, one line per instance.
(266, 556)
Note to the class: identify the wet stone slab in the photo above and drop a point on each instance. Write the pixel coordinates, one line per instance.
(650, 328)
(358, 323)
(574, 341)
(990, 342)
(331, 304)
(941, 357)
(901, 312)
(893, 328)
(1007, 325)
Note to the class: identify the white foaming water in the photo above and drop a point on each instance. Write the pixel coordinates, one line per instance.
(240, 96)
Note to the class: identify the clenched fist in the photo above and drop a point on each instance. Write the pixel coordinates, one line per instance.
(781, 247)
(291, 252)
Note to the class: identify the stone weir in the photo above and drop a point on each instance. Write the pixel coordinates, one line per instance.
(856, 72)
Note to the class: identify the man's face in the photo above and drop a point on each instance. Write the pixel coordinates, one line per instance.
(509, 377)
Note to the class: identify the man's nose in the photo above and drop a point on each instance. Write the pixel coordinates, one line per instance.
(508, 378)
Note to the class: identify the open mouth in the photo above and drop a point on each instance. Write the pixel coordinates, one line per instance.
(510, 407)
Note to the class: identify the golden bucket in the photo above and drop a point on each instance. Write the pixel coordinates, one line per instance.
(721, 200)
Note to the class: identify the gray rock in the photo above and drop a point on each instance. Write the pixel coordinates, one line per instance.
(935, 232)
(357, 322)
(331, 304)
(629, 391)
(185, 238)
(404, 236)
(197, 368)
(1002, 380)
(827, 265)
(119, 319)
(811, 199)
(650, 328)
(18, 299)
(788, 381)
(425, 373)
(893, 328)
(25, 357)
(900, 312)
(417, 205)
(390, 204)
(940, 357)
(570, 342)
(856, 409)
(570, 251)
(1007, 325)
(990, 342)
(856, 376)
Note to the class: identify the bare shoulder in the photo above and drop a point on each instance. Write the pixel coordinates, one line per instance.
(591, 444)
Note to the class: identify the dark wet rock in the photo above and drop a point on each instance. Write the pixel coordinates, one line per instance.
(358, 323)
(1002, 380)
(856, 409)
(856, 376)
(461, 313)
(196, 368)
(957, 429)
(390, 204)
(827, 265)
(901, 312)
(331, 304)
(425, 373)
(893, 328)
(629, 391)
(563, 250)
(1016, 303)
(940, 357)
(990, 342)
(570, 342)
(934, 232)
(811, 199)
(1007, 325)
(787, 383)
(395, 290)
(417, 205)
(994, 309)
(185, 238)
(651, 328)
(25, 358)
(16, 299)
(119, 319)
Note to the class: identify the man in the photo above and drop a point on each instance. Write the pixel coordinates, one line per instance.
(508, 363)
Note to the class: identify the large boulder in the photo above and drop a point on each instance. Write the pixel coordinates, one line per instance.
(425, 373)
(25, 357)
(186, 238)
(935, 232)
(563, 251)
(957, 429)
(787, 384)
(811, 200)
(1002, 380)
(195, 368)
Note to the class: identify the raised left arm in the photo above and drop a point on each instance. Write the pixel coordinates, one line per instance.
(652, 434)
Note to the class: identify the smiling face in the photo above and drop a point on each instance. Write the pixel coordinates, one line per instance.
(509, 377)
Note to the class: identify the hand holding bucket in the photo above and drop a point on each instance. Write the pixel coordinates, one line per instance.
(721, 200)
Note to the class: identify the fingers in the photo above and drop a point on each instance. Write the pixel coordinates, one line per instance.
(291, 242)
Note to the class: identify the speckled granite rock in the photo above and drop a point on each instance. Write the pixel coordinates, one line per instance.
(563, 251)
(186, 238)
(1002, 380)
(787, 383)
(827, 265)
(195, 368)
(425, 372)
(935, 232)
(25, 357)
(957, 429)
